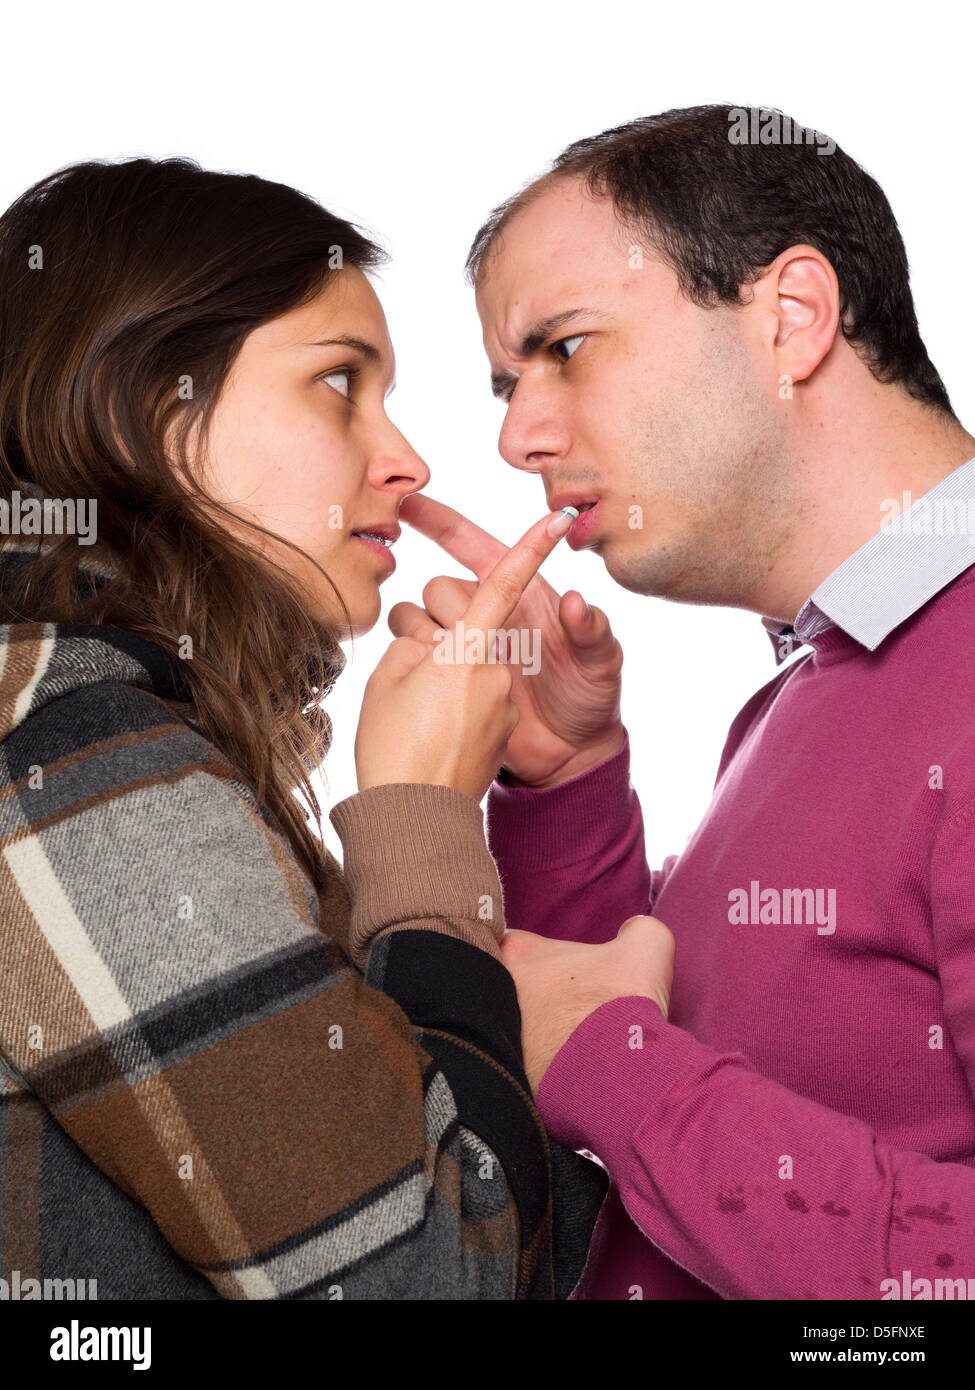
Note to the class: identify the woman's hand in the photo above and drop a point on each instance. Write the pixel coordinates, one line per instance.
(440, 711)
(570, 709)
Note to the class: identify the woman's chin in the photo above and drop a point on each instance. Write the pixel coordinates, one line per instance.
(365, 615)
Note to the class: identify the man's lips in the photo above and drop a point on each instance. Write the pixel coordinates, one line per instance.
(558, 500)
(582, 531)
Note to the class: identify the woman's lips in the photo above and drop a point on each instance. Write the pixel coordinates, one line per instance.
(378, 548)
(581, 531)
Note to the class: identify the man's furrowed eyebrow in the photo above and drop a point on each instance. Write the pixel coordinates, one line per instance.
(543, 329)
(500, 381)
(537, 334)
(368, 350)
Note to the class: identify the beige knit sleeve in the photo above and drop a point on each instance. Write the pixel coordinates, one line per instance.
(415, 856)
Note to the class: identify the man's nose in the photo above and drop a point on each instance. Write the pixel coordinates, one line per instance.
(532, 429)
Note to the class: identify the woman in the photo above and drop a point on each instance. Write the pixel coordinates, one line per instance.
(227, 1067)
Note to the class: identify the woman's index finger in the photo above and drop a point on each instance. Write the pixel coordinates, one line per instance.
(499, 592)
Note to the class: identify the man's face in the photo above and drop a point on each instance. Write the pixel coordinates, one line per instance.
(621, 391)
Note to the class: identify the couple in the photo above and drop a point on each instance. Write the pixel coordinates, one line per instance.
(231, 1068)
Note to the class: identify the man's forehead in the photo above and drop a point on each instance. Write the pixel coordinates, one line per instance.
(546, 308)
(563, 249)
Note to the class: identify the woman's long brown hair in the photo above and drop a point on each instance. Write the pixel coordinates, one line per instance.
(126, 291)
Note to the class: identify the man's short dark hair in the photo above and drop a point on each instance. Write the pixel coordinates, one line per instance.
(719, 197)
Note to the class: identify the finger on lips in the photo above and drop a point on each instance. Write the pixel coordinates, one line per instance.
(499, 593)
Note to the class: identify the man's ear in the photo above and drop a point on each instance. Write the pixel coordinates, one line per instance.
(804, 297)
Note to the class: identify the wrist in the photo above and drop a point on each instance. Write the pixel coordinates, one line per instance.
(579, 763)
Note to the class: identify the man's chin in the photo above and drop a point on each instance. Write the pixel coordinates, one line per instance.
(634, 584)
(635, 572)
(625, 570)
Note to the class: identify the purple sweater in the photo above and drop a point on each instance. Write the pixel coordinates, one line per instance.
(803, 1124)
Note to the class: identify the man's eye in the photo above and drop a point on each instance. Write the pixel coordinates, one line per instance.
(569, 344)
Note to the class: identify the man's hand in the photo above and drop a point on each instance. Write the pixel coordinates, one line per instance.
(570, 710)
(560, 983)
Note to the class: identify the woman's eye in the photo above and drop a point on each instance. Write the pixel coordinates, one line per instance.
(340, 375)
(568, 344)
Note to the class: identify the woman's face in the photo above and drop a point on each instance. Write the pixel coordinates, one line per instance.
(300, 443)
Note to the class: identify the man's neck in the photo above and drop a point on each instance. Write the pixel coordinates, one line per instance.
(859, 459)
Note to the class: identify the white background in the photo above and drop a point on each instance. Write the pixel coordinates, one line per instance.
(414, 121)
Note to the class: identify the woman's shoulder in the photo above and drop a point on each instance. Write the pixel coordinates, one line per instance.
(101, 701)
(100, 758)
(113, 802)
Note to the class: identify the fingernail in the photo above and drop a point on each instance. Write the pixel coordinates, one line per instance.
(561, 523)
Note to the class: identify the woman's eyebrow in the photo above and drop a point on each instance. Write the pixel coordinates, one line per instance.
(368, 350)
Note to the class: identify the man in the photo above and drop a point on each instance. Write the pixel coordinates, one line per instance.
(713, 339)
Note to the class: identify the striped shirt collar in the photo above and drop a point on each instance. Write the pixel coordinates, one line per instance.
(910, 559)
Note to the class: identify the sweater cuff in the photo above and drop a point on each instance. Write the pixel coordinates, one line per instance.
(559, 826)
(415, 857)
(617, 1066)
